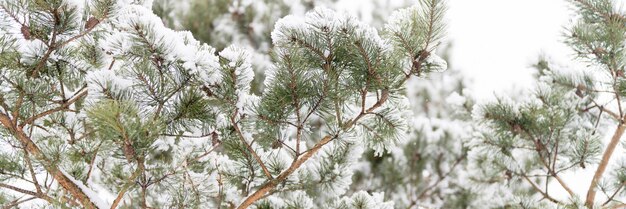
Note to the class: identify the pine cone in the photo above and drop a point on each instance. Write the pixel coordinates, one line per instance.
(277, 144)
(25, 32)
(215, 138)
(207, 91)
(516, 129)
(92, 22)
(599, 51)
(579, 90)
(129, 152)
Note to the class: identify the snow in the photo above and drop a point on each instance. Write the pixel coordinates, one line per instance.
(455, 99)
(367, 201)
(289, 22)
(178, 46)
(99, 79)
(93, 196)
(222, 121)
(31, 50)
(240, 60)
(438, 65)
(400, 18)
(200, 59)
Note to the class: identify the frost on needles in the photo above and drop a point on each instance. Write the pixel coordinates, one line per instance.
(528, 147)
(99, 97)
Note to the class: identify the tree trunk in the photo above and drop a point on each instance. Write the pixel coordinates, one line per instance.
(591, 192)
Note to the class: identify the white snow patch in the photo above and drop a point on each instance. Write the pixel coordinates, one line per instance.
(93, 196)
(455, 99)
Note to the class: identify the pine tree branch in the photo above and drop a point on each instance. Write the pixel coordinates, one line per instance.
(27, 192)
(293, 86)
(187, 136)
(539, 148)
(371, 130)
(551, 171)
(441, 178)
(267, 187)
(193, 186)
(17, 202)
(601, 107)
(80, 94)
(366, 59)
(618, 96)
(254, 154)
(619, 206)
(81, 34)
(144, 193)
(20, 177)
(17, 20)
(220, 186)
(184, 164)
(563, 184)
(32, 172)
(51, 46)
(545, 195)
(283, 176)
(612, 66)
(617, 135)
(129, 182)
(275, 122)
(432, 19)
(307, 45)
(18, 106)
(405, 44)
(56, 173)
(611, 198)
(587, 5)
(93, 161)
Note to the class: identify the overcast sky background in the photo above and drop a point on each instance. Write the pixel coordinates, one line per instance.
(496, 41)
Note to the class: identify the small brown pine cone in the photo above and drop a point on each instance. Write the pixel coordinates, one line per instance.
(129, 152)
(277, 144)
(92, 22)
(25, 32)
(579, 90)
(215, 139)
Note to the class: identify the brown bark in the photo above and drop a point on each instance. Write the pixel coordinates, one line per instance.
(271, 184)
(54, 171)
(297, 163)
(591, 192)
(126, 186)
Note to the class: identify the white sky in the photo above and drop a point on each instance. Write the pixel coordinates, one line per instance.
(496, 41)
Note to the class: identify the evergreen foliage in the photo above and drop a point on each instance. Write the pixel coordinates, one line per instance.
(429, 101)
(429, 168)
(526, 145)
(103, 106)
